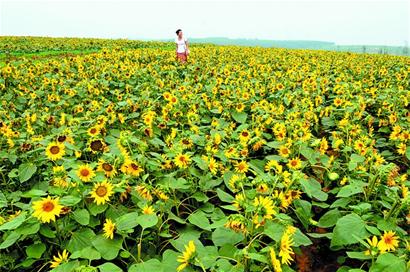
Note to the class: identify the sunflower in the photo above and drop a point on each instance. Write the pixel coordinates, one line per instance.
(59, 258)
(93, 131)
(182, 160)
(388, 242)
(275, 262)
(148, 210)
(55, 151)
(294, 163)
(286, 250)
(47, 209)
(186, 258)
(264, 207)
(132, 168)
(244, 136)
(96, 145)
(102, 192)
(85, 173)
(241, 167)
(109, 228)
(213, 166)
(372, 246)
(284, 151)
(107, 168)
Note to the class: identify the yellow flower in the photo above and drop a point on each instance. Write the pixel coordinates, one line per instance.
(241, 167)
(102, 192)
(93, 131)
(294, 163)
(57, 260)
(372, 250)
(107, 168)
(85, 173)
(148, 210)
(47, 209)
(186, 258)
(109, 228)
(284, 151)
(275, 262)
(286, 250)
(55, 151)
(182, 160)
(388, 242)
(132, 168)
(213, 166)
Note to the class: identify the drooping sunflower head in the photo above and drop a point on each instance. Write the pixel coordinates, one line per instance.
(106, 167)
(109, 228)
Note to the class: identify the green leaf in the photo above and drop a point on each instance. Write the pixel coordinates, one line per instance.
(239, 117)
(26, 171)
(35, 250)
(109, 267)
(301, 239)
(354, 161)
(355, 187)
(199, 219)
(147, 220)
(148, 266)
(223, 196)
(348, 230)
(95, 209)
(258, 257)
(313, 189)
(14, 223)
(329, 219)
(88, 253)
(69, 200)
(33, 193)
(127, 221)
(358, 255)
(388, 262)
(408, 152)
(274, 230)
(80, 239)
(82, 216)
(10, 240)
(3, 200)
(108, 248)
(223, 236)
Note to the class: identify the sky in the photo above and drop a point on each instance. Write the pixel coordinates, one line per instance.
(343, 22)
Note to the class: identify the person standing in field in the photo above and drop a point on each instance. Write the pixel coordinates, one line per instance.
(182, 49)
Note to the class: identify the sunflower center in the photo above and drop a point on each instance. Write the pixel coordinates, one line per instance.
(101, 191)
(134, 166)
(107, 166)
(54, 150)
(48, 206)
(84, 172)
(293, 163)
(96, 145)
(245, 134)
(61, 138)
(93, 131)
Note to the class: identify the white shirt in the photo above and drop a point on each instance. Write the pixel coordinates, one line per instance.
(181, 44)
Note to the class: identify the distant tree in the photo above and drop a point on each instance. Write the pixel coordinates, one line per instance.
(406, 48)
(364, 49)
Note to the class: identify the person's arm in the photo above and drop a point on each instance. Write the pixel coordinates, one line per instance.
(186, 45)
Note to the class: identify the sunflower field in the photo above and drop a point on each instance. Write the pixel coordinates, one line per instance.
(243, 159)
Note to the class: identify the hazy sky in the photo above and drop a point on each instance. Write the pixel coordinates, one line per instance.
(343, 22)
